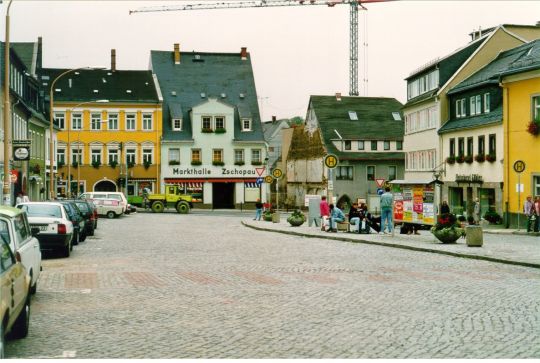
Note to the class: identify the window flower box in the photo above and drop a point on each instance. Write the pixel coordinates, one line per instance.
(239, 163)
(75, 164)
(220, 130)
(207, 131)
(469, 159)
(533, 128)
(491, 157)
(196, 162)
(480, 158)
(451, 160)
(130, 165)
(218, 163)
(147, 164)
(256, 163)
(113, 163)
(60, 164)
(460, 159)
(96, 164)
(174, 162)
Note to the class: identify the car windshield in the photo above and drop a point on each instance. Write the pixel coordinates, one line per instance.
(42, 210)
(4, 231)
(82, 206)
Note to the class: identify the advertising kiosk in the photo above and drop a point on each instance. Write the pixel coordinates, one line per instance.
(414, 201)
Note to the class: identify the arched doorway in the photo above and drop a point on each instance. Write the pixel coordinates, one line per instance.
(344, 202)
(105, 186)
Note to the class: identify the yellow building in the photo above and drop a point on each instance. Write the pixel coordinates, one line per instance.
(110, 122)
(521, 105)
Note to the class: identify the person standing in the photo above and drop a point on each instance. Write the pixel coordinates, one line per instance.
(258, 210)
(387, 202)
(19, 199)
(336, 215)
(325, 212)
(445, 208)
(537, 211)
(476, 211)
(528, 209)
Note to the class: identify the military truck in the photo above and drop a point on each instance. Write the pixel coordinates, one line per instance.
(173, 198)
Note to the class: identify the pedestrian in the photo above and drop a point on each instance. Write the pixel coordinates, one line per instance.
(258, 210)
(354, 215)
(537, 211)
(445, 208)
(336, 215)
(325, 212)
(528, 210)
(19, 198)
(25, 197)
(476, 211)
(387, 202)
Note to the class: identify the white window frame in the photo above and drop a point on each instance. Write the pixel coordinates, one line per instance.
(60, 118)
(535, 104)
(256, 155)
(147, 153)
(220, 119)
(131, 121)
(171, 157)
(95, 121)
(112, 151)
(61, 151)
(131, 154)
(206, 119)
(239, 155)
(147, 122)
(176, 124)
(487, 102)
(76, 121)
(196, 151)
(217, 155)
(246, 124)
(77, 149)
(112, 122)
(96, 151)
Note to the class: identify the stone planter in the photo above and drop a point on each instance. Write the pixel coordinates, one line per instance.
(475, 237)
(275, 217)
(448, 235)
(267, 217)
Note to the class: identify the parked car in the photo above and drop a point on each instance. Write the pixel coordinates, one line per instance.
(14, 296)
(15, 230)
(76, 218)
(56, 230)
(94, 210)
(107, 195)
(88, 215)
(109, 207)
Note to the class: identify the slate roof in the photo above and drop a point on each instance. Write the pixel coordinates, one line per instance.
(269, 128)
(487, 119)
(211, 74)
(375, 122)
(516, 60)
(112, 86)
(25, 51)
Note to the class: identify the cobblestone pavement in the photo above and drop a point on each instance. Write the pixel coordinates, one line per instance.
(203, 286)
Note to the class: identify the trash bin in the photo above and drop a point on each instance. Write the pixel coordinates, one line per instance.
(475, 236)
(275, 217)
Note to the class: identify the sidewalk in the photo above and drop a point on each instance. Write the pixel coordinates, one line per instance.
(500, 245)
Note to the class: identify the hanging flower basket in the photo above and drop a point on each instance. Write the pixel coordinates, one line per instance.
(533, 128)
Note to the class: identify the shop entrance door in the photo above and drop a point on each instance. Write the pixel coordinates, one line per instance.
(223, 195)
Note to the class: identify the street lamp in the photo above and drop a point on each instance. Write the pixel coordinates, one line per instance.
(69, 144)
(6, 189)
(51, 128)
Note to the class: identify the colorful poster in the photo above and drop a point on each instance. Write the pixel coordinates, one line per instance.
(398, 210)
(407, 211)
(418, 199)
(429, 215)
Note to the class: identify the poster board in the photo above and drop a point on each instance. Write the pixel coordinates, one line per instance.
(414, 202)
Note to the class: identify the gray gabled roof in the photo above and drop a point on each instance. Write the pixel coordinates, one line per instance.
(492, 118)
(200, 76)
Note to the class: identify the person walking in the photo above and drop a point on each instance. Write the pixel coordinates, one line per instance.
(325, 212)
(336, 215)
(528, 210)
(258, 210)
(387, 202)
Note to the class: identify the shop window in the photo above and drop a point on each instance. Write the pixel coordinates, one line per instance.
(344, 173)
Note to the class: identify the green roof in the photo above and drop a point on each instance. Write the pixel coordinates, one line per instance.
(95, 84)
(375, 122)
(200, 76)
(491, 118)
(25, 51)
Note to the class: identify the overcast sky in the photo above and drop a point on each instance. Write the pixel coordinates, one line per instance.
(296, 51)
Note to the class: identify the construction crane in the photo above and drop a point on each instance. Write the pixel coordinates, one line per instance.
(353, 22)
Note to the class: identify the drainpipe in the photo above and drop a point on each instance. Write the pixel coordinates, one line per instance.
(506, 149)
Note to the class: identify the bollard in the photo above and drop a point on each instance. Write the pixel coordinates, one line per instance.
(475, 237)
(275, 217)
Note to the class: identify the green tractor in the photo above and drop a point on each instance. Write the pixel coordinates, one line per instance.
(173, 198)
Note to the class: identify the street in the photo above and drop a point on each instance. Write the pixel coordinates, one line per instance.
(204, 286)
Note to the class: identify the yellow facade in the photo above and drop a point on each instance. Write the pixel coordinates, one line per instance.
(518, 93)
(138, 143)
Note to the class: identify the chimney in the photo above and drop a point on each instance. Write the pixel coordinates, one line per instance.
(113, 60)
(243, 53)
(338, 96)
(176, 53)
(274, 119)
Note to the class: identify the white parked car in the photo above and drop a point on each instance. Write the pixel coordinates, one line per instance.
(15, 230)
(108, 207)
(55, 229)
(119, 196)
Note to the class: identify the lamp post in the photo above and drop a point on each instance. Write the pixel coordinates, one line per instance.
(6, 189)
(69, 144)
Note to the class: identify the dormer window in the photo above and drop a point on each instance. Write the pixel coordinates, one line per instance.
(353, 116)
(246, 124)
(396, 116)
(176, 124)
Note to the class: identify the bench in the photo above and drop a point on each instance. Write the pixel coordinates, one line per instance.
(343, 226)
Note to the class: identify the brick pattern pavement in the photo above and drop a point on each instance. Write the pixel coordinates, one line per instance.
(207, 287)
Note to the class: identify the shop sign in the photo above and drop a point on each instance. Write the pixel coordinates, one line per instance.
(473, 178)
(21, 153)
(212, 172)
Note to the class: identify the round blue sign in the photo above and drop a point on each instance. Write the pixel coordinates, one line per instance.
(380, 191)
(259, 181)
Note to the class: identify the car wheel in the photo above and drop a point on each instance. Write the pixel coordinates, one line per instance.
(2, 343)
(67, 250)
(83, 237)
(182, 207)
(158, 206)
(33, 288)
(91, 231)
(75, 238)
(111, 214)
(22, 324)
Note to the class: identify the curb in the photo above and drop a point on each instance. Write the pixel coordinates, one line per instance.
(405, 247)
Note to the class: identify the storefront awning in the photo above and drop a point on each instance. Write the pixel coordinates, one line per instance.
(251, 185)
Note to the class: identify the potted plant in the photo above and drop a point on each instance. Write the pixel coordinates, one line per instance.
(447, 229)
(147, 164)
(196, 162)
(36, 169)
(460, 159)
(239, 163)
(207, 130)
(218, 163)
(96, 163)
(469, 159)
(267, 215)
(451, 159)
(480, 158)
(174, 162)
(130, 164)
(492, 217)
(113, 163)
(75, 164)
(220, 130)
(533, 128)
(491, 157)
(297, 218)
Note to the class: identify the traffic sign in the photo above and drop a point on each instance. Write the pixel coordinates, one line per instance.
(519, 166)
(260, 171)
(277, 173)
(380, 191)
(268, 179)
(259, 181)
(331, 161)
(380, 182)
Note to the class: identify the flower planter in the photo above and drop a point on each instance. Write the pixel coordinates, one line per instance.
(295, 221)
(448, 235)
(267, 217)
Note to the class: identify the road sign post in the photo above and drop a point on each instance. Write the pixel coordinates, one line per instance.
(519, 167)
(331, 162)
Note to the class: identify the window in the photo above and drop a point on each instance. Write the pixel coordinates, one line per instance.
(147, 155)
(461, 146)
(392, 173)
(113, 121)
(131, 156)
(423, 84)
(130, 122)
(246, 124)
(344, 173)
(61, 156)
(76, 121)
(220, 122)
(177, 124)
(460, 108)
(113, 156)
(475, 105)
(470, 146)
(174, 156)
(374, 145)
(147, 121)
(536, 108)
(371, 172)
(399, 145)
(347, 144)
(387, 145)
(96, 121)
(481, 145)
(196, 155)
(207, 123)
(452, 147)
(22, 230)
(238, 156)
(96, 156)
(536, 186)
(60, 120)
(360, 145)
(217, 155)
(353, 116)
(486, 102)
(492, 144)
(6, 257)
(76, 156)
(396, 116)
(256, 155)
